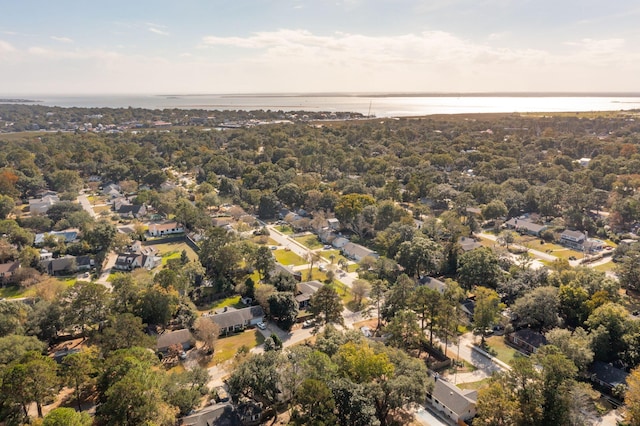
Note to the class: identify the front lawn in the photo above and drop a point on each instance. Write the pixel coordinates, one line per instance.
(499, 349)
(227, 347)
(288, 257)
(310, 241)
(284, 229)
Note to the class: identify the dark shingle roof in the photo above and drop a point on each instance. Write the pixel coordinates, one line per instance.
(237, 316)
(177, 337)
(608, 373)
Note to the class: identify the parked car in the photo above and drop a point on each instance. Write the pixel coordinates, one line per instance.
(308, 324)
(261, 326)
(221, 394)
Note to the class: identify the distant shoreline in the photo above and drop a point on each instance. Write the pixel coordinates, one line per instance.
(17, 101)
(415, 95)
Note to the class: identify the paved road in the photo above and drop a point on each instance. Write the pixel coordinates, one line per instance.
(284, 241)
(109, 262)
(86, 205)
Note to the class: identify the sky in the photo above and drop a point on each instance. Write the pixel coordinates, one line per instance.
(318, 46)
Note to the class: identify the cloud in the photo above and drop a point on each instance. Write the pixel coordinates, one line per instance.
(6, 47)
(61, 39)
(157, 29)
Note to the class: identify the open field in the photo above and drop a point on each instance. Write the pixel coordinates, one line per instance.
(288, 258)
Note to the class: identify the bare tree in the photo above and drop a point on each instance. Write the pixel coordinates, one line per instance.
(207, 331)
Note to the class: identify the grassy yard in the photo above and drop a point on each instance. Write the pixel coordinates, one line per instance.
(310, 241)
(15, 292)
(233, 301)
(499, 349)
(605, 267)
(174, 251)
(226, 347)
(480, 384)
(285, 229)
(288, 258)
(343, 291)
(260, 239)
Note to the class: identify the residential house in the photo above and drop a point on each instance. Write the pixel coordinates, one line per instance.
(468, 307)
(222, 221)
(527, 340)
(43, 204)
(45, 255)
(468, 244)
(179, 337)
(131, 260)
(168, 228)
(61, 266)
(112, 191)
(305, 291)
(357, 252)
(250, 412)
(282, 269)
(84, 263)
(339, 242)
(606, 375)
(433, 284)
(8, 270)
(132, 210)
(68, 235)
(525, 226)
(456, 404)
(578, 241)
(223, 414)
(333, 223)
(238, 319)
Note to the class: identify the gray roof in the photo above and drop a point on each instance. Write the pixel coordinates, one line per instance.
(357, 250)
(177, 337)
(237, 316)
(533, 338)
(607, 373)
(216, 415)
(468, 244)
(307, 289)
(453, 397)
(526, 224)
(577, 235)
(433, 284)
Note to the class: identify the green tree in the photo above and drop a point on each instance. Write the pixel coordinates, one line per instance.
(486, 310)
(283, 308)
(507, 238)
(78, 369)
(420, 256)
(64, 416)
(317, 404)
(632, 397)
(494, 210)
(124, 331)
(404, 331)
(538, 308)
(263, 261)
(326, 305)
(85, 304)
(426, 303)
(6, 206)
(479, 267)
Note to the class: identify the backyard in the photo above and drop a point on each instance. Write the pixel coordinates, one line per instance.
(174, 251)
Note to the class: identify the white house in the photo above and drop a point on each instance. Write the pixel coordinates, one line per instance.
(160, 229)
(453, 402)
(42, 205)
(357, 252)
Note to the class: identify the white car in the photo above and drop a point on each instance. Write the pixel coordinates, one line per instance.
(261, 326)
